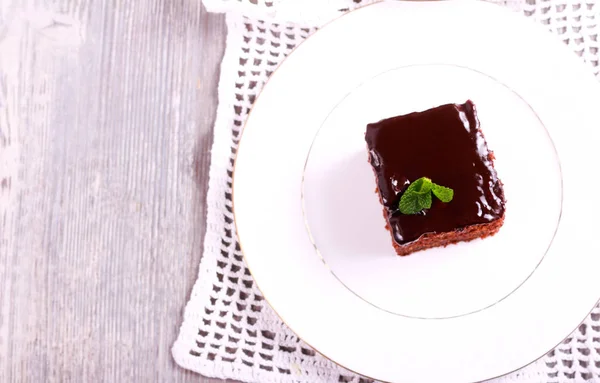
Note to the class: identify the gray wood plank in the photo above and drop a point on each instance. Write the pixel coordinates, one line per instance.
(106, 112)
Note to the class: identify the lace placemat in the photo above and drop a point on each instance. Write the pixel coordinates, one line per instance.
(228, 330)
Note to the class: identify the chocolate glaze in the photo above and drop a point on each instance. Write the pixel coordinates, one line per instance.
(445, 145)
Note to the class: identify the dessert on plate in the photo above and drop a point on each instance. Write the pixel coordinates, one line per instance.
(435, 177)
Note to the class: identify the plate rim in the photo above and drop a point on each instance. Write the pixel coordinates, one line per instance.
(235, 167)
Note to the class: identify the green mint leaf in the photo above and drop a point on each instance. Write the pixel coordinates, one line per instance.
(425, 200)
(421, 186)
(409, 204)
(443, 193)
(418, 196)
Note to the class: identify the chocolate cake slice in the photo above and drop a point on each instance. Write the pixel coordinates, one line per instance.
(443, 146)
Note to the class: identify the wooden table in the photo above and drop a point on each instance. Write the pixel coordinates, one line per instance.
(106, 111)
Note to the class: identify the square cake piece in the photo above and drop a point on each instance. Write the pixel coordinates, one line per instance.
(445, 147)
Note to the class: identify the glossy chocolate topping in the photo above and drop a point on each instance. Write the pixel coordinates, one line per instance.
(445, 145)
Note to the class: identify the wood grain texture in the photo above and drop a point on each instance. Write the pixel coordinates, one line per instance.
(106, 111)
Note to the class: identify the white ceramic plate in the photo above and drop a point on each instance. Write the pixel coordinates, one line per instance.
(311, 227)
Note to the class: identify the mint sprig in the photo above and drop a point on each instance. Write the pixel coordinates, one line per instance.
(418, 196)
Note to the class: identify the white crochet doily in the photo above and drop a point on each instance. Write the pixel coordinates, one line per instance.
(228, 330)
